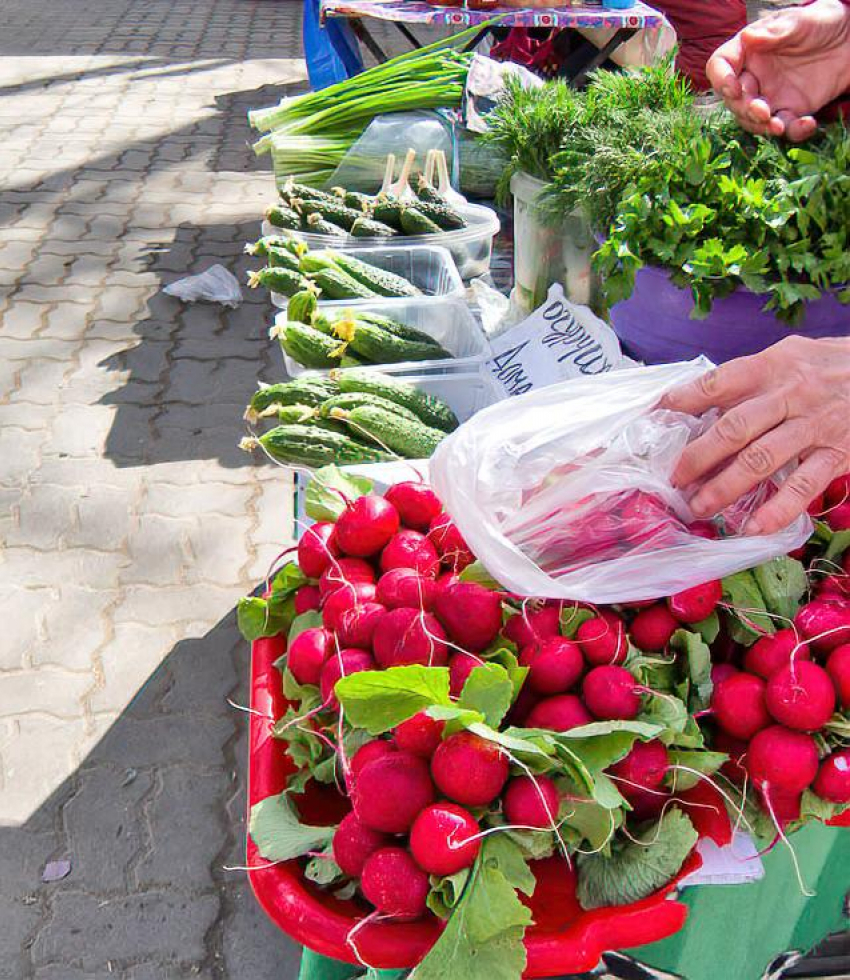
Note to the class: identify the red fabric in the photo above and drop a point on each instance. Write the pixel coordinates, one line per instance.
(702, 26)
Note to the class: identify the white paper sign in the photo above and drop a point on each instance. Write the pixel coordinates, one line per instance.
(735, 864)
(558, 341)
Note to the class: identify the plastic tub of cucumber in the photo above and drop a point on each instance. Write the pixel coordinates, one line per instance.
(470, 247)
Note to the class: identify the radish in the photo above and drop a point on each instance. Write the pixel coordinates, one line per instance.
(554, 665)
(719, 673)
(838, 517)
(558, 714)
(780, 759)
(357, 625)
(525, 703)
(801, 696)
(416, 503)
(736, 749)
(461, 666)
(469, 769)
(343, 599)
(826, 625)
(450, 543)
(376, 749)
(838, 668)
(471, 614)
(834, 587)
(391, 791)
(646, 804)
(738, 705)
(785, 807)
(444, 839)
(833, 779)
(307, 598)
(770, 653)
(344, 572)
(353, 843)
(838, 492)
(645, 767)
(610, 692)
(695, 604)
(316, 549)
(339, 665)
(410, 549)
(526, 628)
(531, 802)
(652, 628)
(603, 639)
(704, 529)
(394, 884)
(365, 527)
(420, 735)
(408, 636)
(401, 587)
(308, 653)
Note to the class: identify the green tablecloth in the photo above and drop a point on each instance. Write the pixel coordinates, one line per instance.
(737, 929)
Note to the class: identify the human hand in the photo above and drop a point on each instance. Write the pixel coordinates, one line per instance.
(790, 402)
(780, 70)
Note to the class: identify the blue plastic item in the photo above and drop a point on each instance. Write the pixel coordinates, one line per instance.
(618, 4)
(331, 51)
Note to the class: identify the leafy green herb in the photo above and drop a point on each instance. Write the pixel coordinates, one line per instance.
(278, 833)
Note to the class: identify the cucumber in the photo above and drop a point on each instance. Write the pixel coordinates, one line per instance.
(335, 211)
(433, 411)
(318, 259)
(381, 282)
(284, 281)
(302, 306)
(381, 347)
(323, 323)
(413, 440)
(317, 225)
(310, 347)
(283, 217)
(427, 192)
(302, 414)
(441, 214)
(262, 246)
(349, 360)
(336, 284)
(354, 399)
(414, 222)
(369, 228)
(302, 391)
(292, 189)
(354, 199)
(388, 210)
(307, 445)
(282, 258)
(400, 330)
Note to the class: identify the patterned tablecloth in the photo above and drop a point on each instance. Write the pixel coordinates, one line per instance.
(417, 12)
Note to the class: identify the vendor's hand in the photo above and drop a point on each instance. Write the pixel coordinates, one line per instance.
(791, 403)
(778, 72)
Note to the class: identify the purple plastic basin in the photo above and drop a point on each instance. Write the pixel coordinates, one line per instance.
(655, 325)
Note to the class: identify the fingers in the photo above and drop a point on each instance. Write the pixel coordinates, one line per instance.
(799, 129)
(756, 462)
(810, 478)
(722, 387)
(729, 435)
(724, 67)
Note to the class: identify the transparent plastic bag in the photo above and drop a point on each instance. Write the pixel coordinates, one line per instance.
(215, 285)
(565, 492)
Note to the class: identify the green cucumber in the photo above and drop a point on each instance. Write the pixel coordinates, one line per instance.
(302, 306)
(354, 399)
(262, 246)
(284, 281)
(400, 330)
(282, 258)
(354, 199)
(433, 411)
(427, 192)
(301, 414)
(317, 225)
(369, 228)
(335, 212)
(310, 347)
(414, 222)
(292, 189)
(441, 214)
(336, 284)
(413, 440)
(309, 445)
(381, 347)
(318, 259)
(388, 210)
(283, 217)
(302, 391)
(381, 282)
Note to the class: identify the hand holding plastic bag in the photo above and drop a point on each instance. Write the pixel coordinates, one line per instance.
(565, 492)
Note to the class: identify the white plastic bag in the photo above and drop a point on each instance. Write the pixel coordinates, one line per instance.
(216, 285)
(565, 492)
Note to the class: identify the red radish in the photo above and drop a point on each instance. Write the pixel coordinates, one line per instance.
(646, 804)
(838, 492)
(357, 625)
(610, 692)
(644, 767)
(704, 529)
(376, 749)
(785, 806)
(801, 696)
(527, 627)
(402, 587)
(391, 791)
(770, 653)
(695, 604)
(316, 549)
(444, 839)
(344, 572)
(416, 503)
(736, 749)
(652, 628)
(461, 666)
(838, 517)
(307, 598)
(833, 778)
(394, 884)
(738, 705)
(554, 665)
(781, 759)
(308, 653)
(444, 581)
(343, 599)
(471, 614)
(816, 506)
(826, 625)
(719, 673)
(450, 543)
(341, 664)
(531, 802)
(469, 769)
(420, 735)
(558, 714)
(525, 702)
(834, 587)
(838, 668)
(366, 526)
(410, 549)
(353, 843)
(603, 639)
(408, 636)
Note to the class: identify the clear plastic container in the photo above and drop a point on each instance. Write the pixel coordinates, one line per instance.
(545, 253)
(470, 247)
(455, 328)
